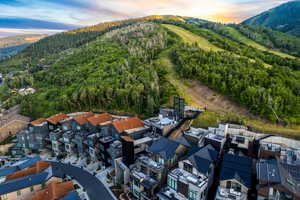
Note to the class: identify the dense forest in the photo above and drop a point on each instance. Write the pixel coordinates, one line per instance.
(271, 92)
(113, 72)
(113, 67)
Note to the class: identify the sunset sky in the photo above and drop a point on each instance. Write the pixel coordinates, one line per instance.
(52, 16)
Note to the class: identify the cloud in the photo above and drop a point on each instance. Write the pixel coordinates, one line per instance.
(26, 23)
(61, 14)
(4, 32)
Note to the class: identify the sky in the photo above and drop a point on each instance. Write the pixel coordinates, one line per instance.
(52, 16)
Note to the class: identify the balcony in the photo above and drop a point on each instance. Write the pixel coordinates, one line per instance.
(230, 194)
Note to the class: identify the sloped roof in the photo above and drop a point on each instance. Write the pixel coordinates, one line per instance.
(82, 119)
(30, 180)
(127, 124)
(38, 121)
(53, 191)
(37, 167)
(237, 167)
(99, 119)
(24, 182)
(164, 147)
(57, 118)
(7, 170)
(274, 172)
(24, 163)
(29, 162)
(182, 140)
(268, 171)
(203, 158)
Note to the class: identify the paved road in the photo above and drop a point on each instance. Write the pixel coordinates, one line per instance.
(94, 188)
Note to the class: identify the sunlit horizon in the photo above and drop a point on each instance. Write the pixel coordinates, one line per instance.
(52, 16)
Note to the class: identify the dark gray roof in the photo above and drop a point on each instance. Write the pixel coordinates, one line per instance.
(71, 196)
(7, 170)
(268, 171)
(27, 181)
(18, 184)
(274, 173)
(182, 140)
(27, 162)
(164, 147)
(203, 158)
(237, 167)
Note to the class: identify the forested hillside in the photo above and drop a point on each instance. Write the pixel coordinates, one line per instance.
(284, 18)
(116, 67)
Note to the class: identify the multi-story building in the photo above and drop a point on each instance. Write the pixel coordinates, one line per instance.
(235, 178)
(133, 127)
(146, 178)
(193, 177)
(56, 138)
(215, 139)
(33, 137)
(276, 146)
(196, 135)
(54, 122)
(161, 125)
(277, 180)
(166, 152)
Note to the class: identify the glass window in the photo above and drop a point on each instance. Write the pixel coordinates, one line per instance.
(172, 183)
(161, 160)
(173, 160)
(236, 186)
(192, 195)
(18, 193)
(187, 167)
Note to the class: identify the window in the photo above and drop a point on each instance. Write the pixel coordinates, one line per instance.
(161, 160)
(236, 186)
(187, 167)
(18, 193)
(31, 189)
(173, 160)
(4, 197)
(228, 184)
(172, 183)
(192, 195)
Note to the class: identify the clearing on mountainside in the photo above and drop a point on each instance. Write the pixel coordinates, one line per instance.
(191, 38)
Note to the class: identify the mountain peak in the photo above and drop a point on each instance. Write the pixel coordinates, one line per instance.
(284, 18)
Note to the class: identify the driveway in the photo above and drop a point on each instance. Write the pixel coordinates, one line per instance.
(94, 188)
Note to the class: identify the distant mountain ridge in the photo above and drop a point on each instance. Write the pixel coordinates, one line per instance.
(13, 44)
(284, 18)
(19, 40)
